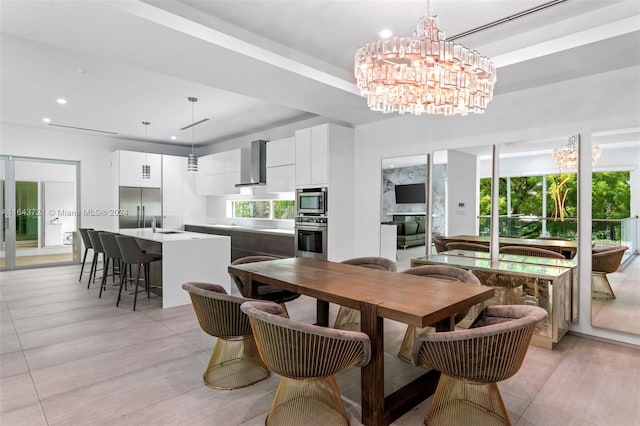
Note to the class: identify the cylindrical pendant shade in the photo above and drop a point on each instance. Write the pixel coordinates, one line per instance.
(192, 163)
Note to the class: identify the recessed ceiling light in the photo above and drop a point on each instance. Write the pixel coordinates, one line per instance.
(386, 33)
(61, 101)
(173, 138)
(391, 165)
(83, 71)
(46, 120)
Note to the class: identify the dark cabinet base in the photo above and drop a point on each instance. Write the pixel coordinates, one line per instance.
(245, 242)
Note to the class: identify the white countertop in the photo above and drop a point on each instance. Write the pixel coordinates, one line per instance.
(277, 231)
(160, 237)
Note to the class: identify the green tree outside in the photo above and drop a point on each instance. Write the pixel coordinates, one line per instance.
(611, 199)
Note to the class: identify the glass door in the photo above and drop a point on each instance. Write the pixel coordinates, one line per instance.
(5, 218)
(40, 212)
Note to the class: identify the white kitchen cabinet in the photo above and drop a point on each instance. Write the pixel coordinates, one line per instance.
(130, 169)
(204, 185)
(230, 181)
(312, 156)
(281, 179)
(172, 191)
(281, 157)
(303, 157)
(320, 155)
(180, 203)
(281, 152)
(206, 165)
(219, 174)
(325, 157)
(231, 160)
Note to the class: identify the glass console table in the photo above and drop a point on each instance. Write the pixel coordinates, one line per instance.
(536, 260)
(546, 285)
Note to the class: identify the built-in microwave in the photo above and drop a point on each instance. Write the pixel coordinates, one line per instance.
(311, 201)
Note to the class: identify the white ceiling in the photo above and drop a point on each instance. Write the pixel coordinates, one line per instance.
(255, 65)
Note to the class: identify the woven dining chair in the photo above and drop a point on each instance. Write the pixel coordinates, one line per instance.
(531, 251)
(307, 357)
(265, 292)
(235, 362)
(603, 262)
(472, 361)
(347, 318)
(461, 245)
(443, 272)
(439, 243)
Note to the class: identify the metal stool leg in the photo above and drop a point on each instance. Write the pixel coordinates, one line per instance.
(103, 282)
(135, 296)
(123, 279)
(94, 265)
(84, 259)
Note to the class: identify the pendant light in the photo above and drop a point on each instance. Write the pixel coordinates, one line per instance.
(146, 168)
(192, 160)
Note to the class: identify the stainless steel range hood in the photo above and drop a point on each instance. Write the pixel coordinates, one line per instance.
(253, 165)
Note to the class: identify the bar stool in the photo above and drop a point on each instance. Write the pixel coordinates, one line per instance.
(133, 255)
(87, 245)
(111, 251)
(97, 250)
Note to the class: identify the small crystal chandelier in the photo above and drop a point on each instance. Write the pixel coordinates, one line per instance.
(192, 160)
(146, 168)
(424, 74)
(566, 155)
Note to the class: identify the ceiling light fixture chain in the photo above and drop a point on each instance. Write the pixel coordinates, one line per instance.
(424, 74)
(146, 167)
(192, 160)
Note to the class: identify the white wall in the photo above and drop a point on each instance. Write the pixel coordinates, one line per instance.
(94, 154)
(462, 191)
(600, 102)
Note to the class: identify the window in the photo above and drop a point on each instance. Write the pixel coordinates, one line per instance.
(263, 209)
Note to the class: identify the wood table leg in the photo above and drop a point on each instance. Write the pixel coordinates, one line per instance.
(372, 374)
(322, 313)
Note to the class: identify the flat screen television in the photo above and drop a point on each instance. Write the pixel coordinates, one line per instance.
(411, 193)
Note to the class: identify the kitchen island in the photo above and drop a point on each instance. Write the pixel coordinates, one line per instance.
(251, 241)
(186, 256)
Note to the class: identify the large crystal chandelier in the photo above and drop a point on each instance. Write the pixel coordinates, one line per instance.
(424, 74)
(566, 155)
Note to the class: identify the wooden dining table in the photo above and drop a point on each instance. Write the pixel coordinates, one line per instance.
(377, 294)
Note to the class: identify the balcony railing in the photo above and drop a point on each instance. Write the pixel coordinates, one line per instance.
(604, 232)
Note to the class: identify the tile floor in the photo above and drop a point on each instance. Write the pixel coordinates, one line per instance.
(623, 312)
(69, 358)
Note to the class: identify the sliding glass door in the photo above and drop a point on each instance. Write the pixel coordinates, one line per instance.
(39, 211)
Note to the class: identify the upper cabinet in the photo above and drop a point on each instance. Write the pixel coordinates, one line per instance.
(281, 165)
(129, 168)
(218, 173)
(312, 156)
(281, 152)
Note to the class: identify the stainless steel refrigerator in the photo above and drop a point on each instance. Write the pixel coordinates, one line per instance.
(141, 206)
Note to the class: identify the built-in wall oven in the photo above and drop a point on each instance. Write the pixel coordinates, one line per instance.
(311, 237)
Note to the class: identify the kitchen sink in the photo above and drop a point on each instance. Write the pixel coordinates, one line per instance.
(169, 232)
